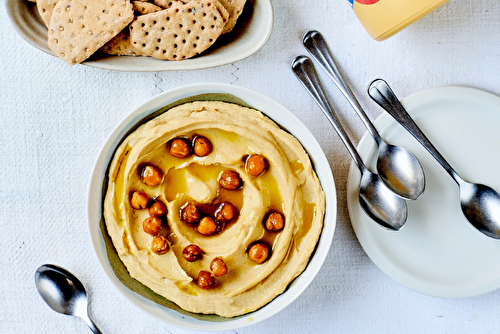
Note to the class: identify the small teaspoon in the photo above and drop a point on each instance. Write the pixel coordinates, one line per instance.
(63, 292)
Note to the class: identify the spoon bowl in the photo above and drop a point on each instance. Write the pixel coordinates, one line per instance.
(480, 203)
(63, 292)
(398, 168)
(481, 206)
(380, 202)
(377, 200)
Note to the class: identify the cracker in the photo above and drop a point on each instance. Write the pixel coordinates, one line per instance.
(79, 27)
(229, 9)
(45, 9)
(169, 3)
(120, 45)
(144, 8)
(235, 8)
(178, 33)
(166, 4)
(223, 12)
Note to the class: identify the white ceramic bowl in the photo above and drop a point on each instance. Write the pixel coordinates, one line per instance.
(281, 116)
(251, 32)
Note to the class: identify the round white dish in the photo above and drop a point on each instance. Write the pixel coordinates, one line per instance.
(438, 252)
(250, 34)
(281, 116)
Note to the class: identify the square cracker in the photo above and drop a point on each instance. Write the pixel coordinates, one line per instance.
(79, 27)
(178, 33)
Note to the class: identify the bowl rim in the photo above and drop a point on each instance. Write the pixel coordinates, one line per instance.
(264, 23)
(270, 108)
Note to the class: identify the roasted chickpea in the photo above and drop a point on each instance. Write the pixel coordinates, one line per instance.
(275, 221)
(189, 213)
(192, 253)
(151, 176)
(205, 280)
(225, 212)
(218, 267)
(139, 200)
(180, 148)
(202, 146)
(259, 252)
(256, 164)
(157, 209)
(151, 225)
(207, 226)
(230, 180)
(159, 245)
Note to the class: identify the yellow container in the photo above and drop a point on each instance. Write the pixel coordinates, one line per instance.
(383, 18)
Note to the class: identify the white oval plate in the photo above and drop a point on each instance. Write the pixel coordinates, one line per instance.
(250, 34)
(438, 252)
(280, 115)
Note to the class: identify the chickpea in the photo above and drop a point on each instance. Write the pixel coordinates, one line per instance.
(151, 176)
(202, 146)
(275, 221)
(189, 213)
(151, 225)
(157, 209)
(159, 245)
(139, 200)
(205, 280)
(259, 252)
(256, 164)
(180, 148)
(218, 267)
(207, 226)
(230, 180)
(192, 253)
(225, 212)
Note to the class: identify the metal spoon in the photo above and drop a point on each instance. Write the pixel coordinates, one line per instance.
(63, 292)
(480, 203)
(397, 167)
(378, 201)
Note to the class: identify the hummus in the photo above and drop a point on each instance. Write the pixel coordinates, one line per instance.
(288, 185)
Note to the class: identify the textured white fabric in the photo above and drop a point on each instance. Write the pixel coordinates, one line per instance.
(54, 119)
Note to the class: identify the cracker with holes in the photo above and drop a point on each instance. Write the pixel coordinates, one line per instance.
(178, 33)
(223, 12)
(120, 45)
(235, 8)
(80, 27)
(45, 8)
(143, 8)
(222, 9)
(166, 4)
(230, 10)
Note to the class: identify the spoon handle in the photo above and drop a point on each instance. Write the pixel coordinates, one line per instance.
(383, 95)
(305, 72)
(91, 325)
(318, 48)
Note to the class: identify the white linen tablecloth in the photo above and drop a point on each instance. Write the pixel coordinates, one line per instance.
(54, 119)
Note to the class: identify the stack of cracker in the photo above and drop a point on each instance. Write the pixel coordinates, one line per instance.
(163, 29)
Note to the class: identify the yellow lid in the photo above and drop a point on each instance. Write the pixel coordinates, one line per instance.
(383, 18)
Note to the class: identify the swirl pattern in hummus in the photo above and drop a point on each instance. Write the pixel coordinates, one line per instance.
(289, 186)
